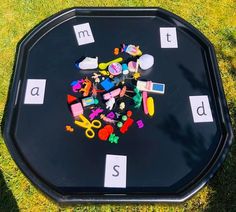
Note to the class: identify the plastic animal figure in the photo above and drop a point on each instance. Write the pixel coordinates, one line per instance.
(86, 88)
(77, 85)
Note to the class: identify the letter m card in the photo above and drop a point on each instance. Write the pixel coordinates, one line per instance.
(83, 34)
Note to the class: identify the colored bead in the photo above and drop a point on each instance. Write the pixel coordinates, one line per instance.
(96, 101)
(129, 113)
(124, 118)
(119, 124)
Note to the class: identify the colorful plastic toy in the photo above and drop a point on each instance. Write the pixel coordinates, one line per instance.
(111, 94)
(137, 98)
(107, 84)
(140, 124)
(144, 95)
(113, 139)
(88, 63)
(96, 77)
(122, 106)
(85, 123)
(76, 109)
(86, 88)
(113, 83)
(115, 69)
(71, 99)
(110, 103)
(69, 128)
(88, 101)
(106, 119)
(151, 87)
(150, 106)
(133, 66)
(129, 49)
(95, 113)
(105, 132)
(77, 85)
(126, 125)
(125, 69)
(111, 115)
(146, 61)
(103, 66)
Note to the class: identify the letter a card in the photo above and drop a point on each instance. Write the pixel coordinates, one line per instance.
(35, 90)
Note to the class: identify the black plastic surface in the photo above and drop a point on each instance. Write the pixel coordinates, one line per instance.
(168, 160)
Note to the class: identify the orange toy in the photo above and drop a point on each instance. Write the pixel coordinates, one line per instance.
(86, 88)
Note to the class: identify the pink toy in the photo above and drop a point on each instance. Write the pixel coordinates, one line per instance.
(77, 85)
(129, 49)
(111, 94)
(133, 66)
(95, 113)
(76, 109)
(140, 124)
(144, 94)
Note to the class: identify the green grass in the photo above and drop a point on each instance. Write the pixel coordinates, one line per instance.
(216, 19)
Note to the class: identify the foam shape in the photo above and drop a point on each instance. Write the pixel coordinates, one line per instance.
(107, 84)
(77, 109)
(71, 99)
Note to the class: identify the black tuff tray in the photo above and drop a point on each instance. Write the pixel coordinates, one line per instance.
(170, 159)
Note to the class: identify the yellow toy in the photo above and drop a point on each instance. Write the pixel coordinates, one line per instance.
(103, 66)
(150, 106)
(85, 123)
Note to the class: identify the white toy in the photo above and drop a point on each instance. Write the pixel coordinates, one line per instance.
(146, 61)
(88, 63)
(110, 103)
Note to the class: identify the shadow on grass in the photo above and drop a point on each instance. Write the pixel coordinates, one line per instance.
(224, 182)
(7, 200)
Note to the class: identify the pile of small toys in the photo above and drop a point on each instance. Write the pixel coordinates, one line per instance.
(103, 102)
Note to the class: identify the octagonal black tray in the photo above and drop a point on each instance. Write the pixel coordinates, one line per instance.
(170, 159)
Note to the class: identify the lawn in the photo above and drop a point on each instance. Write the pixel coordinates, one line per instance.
(216, 19)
